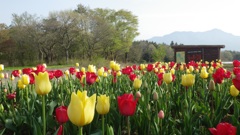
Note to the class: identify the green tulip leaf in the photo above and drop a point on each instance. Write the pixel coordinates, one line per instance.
(97, 133)
(52, 106)
(2, 131)
(9, 124)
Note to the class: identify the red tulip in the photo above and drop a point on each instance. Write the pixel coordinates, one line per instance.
(236, 70)
(60, 130)
(11, 96)
(27, 71)
(134, 67)
(32, 79)
(72, 70)
(61, 114)
(127, 70)
(149, 67)
(16, 73)
(159, 82)
(236, 81)
(91, 78)
(219, 75)
(51, 74)
(127, 104)
(132, 76)
(58, 73)
(79, 75)
(223, 129)
(40, 68)
(236, 63)
(171, 64)
(160, 79)
(227, 74)
(114, 79)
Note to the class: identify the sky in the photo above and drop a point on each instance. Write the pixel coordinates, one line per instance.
(155, 17)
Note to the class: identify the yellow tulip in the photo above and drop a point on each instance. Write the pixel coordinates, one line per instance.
(167, 78)
(66, 72)
(92, 68)
(204, 73)
(25, 79)
(81, 108)
(112, 64)
(1, 67)
(45, 65)
(103, 104)
(161, 70)
(20, 84)
(181, 67)
(116, 67)
(234, 91)
(166, 65)
(105, 74)
(83, 69)
(172, 71)
(155, 70)
(42, 84)
(142, 66)
(191, 68)
(83, 79)
(119, 73)
(197, 70)
(188, 80)
(100, 71)
(1, 75)
(210, 70)
(77, 69)
(12, 78)
(77, 64)
(34, 68)
(137, 83)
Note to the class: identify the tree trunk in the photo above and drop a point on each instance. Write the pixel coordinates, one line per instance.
(67, 55)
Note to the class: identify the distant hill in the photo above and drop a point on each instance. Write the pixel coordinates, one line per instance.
(211, 37)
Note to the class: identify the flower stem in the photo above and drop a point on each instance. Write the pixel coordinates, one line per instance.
(128, 125)
(160, 131)
(43, 115)
(103, 120)
(80, 130)
(27, 98)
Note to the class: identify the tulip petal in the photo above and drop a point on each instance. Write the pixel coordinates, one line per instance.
(89, 109)
(75, 110)
(213, 131)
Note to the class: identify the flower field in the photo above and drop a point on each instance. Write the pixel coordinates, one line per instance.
(195, 98)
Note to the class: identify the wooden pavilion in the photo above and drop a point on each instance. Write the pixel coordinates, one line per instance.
(186, 53)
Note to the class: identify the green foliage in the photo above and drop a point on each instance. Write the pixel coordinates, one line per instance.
(159, 53)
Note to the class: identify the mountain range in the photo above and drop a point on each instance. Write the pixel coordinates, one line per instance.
(211, 37)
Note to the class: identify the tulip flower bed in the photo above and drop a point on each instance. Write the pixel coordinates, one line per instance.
(147, 99)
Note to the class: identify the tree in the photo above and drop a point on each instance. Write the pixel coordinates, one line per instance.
(159, 53)
(68, 29)
(148, 51)
(48, 38)
(22, 33)
(6, 45)
(135, 52)
(226, 56)
(125, 25)
(4, 33)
